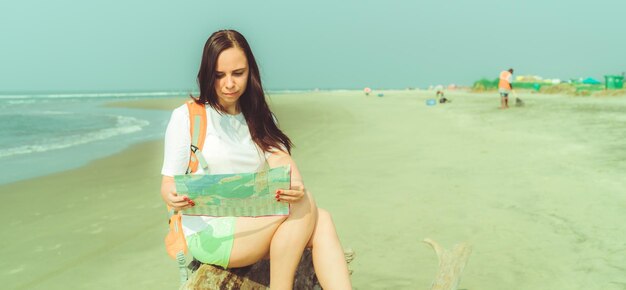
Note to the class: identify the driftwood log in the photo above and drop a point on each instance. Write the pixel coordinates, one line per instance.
(256, 276)
(209, 277)
(451, 265)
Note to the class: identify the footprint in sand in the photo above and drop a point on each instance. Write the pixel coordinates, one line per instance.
(41, 248)
(15, 223)
(15, 270)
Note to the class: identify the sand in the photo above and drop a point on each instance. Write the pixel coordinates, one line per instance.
(538, 191)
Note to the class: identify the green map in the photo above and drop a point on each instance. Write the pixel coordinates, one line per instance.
(243, 194)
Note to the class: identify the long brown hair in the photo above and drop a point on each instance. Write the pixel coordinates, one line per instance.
(263, 129)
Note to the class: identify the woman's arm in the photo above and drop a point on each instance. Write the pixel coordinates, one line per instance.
(297, 190)
(176, 157)
(173, 200)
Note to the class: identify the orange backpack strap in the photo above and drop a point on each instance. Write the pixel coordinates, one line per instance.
(175, 239)
(197, 131)
(176, 245)
(175, 242)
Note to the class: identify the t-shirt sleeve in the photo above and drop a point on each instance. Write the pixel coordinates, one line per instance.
(177, 143)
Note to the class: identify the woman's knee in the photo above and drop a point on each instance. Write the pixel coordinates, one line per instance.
(305, 208)
(323, 216)
(323, 227)
(325, 220)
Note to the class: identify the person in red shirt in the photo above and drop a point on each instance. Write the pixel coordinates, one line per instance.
(505, 87)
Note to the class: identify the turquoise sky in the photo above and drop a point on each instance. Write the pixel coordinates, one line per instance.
(116, 45)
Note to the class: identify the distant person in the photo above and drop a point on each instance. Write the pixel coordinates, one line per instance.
(505, 87)
(439, 90)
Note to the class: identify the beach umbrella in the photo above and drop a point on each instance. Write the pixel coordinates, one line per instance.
(367, 91)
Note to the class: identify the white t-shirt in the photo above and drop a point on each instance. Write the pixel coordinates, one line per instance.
(228, 148)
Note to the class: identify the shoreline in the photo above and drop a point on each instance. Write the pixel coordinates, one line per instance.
(92, 131)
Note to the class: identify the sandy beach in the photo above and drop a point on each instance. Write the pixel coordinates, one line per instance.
(538, 191)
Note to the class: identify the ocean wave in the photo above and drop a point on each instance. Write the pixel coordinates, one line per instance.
(93, 95)
(37, 113)
(124, 125)
(21, 101)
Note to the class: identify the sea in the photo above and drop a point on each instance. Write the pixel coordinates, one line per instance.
(44, 133)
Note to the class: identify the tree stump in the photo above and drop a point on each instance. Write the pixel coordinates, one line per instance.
(255, 276)
(451, 265)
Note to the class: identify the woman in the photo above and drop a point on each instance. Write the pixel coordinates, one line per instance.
(240, 125)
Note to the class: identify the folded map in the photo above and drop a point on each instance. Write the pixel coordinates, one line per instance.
(241, 194)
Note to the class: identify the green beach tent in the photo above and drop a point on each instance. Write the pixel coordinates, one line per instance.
(613, 82)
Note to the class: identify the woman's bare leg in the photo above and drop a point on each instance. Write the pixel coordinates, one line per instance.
(253, 237)
(283, 237)
(289, 242)
(328, 257)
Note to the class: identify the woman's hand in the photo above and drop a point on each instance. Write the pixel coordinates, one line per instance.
(297, 191)
(179, 202)
(171, 198)
(294, 194)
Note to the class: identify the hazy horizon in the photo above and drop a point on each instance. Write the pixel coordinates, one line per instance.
(143, 45)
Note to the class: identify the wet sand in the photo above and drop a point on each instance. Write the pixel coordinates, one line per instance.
(538, 191)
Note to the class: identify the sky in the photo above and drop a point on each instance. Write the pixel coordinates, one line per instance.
(155, 45)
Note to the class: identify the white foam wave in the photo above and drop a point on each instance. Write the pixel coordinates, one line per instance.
(20, 101)
(94, 95)
(35, 113)
(124, 125)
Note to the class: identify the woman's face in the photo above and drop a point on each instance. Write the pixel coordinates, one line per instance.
(231, 77)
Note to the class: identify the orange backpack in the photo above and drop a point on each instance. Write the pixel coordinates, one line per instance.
(175, 242)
